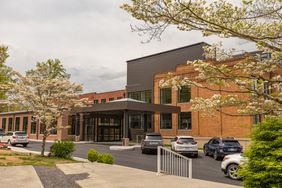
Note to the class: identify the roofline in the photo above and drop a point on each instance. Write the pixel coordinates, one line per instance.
(16, 112)
(175, 49)
(103, 92)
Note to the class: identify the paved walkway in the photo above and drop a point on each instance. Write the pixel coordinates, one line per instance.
(114, 176)
(19, 176)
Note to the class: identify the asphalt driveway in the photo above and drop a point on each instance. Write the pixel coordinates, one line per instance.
(205, 168)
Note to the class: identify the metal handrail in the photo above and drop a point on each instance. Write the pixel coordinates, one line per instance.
(172, 163)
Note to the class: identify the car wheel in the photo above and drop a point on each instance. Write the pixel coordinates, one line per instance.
(24, 145)
(206, 152)
(232, 170)
(196, 155)
(215, 155)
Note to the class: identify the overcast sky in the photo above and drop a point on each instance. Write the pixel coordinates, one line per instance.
(92, 38)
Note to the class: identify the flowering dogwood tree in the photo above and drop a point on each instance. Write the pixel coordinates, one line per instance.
(257, 21)
(48, 92)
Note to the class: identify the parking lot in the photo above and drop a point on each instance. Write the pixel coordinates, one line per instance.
(205, 168)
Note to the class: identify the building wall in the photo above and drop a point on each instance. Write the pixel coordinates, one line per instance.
(104, 95)
(202, 126)
(61, 131)
(141, 71)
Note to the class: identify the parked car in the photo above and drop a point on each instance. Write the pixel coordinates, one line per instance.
(230, 165)
(219, 147)
(185, 145)
(151, 142)
(15, 137)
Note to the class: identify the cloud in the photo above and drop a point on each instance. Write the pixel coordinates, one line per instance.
(92, 38)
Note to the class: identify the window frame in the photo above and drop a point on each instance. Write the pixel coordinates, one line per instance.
(179, 95)
(162, 95)
(161, 121)
(179, 121)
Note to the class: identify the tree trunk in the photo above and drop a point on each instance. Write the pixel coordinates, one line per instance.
(43, 145)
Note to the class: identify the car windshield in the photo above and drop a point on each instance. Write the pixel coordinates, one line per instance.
(20, 133)
(230, 142)
(157, 137)
(186, 140)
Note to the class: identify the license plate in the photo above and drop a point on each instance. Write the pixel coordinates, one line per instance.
(232, 149)
(154, 143)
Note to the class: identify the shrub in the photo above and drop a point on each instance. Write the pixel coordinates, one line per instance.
(264, 167)
(105, 158)
(92, 155)
(62, 149)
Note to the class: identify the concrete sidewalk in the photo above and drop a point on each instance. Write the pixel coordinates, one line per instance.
(19, 176)
(114, 176)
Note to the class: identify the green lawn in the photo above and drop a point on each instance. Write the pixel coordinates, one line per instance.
(11, 158)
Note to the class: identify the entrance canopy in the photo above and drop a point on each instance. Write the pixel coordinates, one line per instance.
(130, 105)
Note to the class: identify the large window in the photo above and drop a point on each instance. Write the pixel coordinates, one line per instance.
(184, 94)
(165, 95)
(33, 126)
(10, 124)
(103, 101)
(42, 129)
(111, 99)
(4, 123)
(54, 130)
(17, 124)
(185, 121)
(25, 123)
(145, 96)
(166, 121)
(96, 101)
(136, 121)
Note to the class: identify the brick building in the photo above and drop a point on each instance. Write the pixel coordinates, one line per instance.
(142, 107)
(104, 97)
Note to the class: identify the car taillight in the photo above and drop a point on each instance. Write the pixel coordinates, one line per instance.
(225, 158)
(14, 137)
(194, 143)
(179, 142)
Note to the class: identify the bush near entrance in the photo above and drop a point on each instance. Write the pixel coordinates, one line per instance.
(62, 149)
(264, 165)
(100, 157)
(92, 155)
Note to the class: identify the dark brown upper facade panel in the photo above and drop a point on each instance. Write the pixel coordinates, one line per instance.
(141, 71)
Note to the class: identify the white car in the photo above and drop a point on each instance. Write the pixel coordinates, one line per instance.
(230, 165)
(185, 145)
(14, 138)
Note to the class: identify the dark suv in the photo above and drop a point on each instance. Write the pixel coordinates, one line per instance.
(151, 142)
(219, 147)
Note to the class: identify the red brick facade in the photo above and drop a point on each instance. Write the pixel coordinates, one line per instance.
(107, 96)
(202, 126)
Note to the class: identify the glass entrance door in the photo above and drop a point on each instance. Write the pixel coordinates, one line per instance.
(89, 129)
(109, 129)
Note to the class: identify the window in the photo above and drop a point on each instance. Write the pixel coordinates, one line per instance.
(42, 129)
(103, 100)
(72, 123)
(165, 95)
(4, 123)
(17, 124)
(166, 121)
(33, 126)
(185, 121)
(54, 130)
(256, 119)
(119, 98)
(184, 94)
(96, 101)
(10, 124)
(141, 95)
(111, 99)
(136, 121)
(25, 123)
